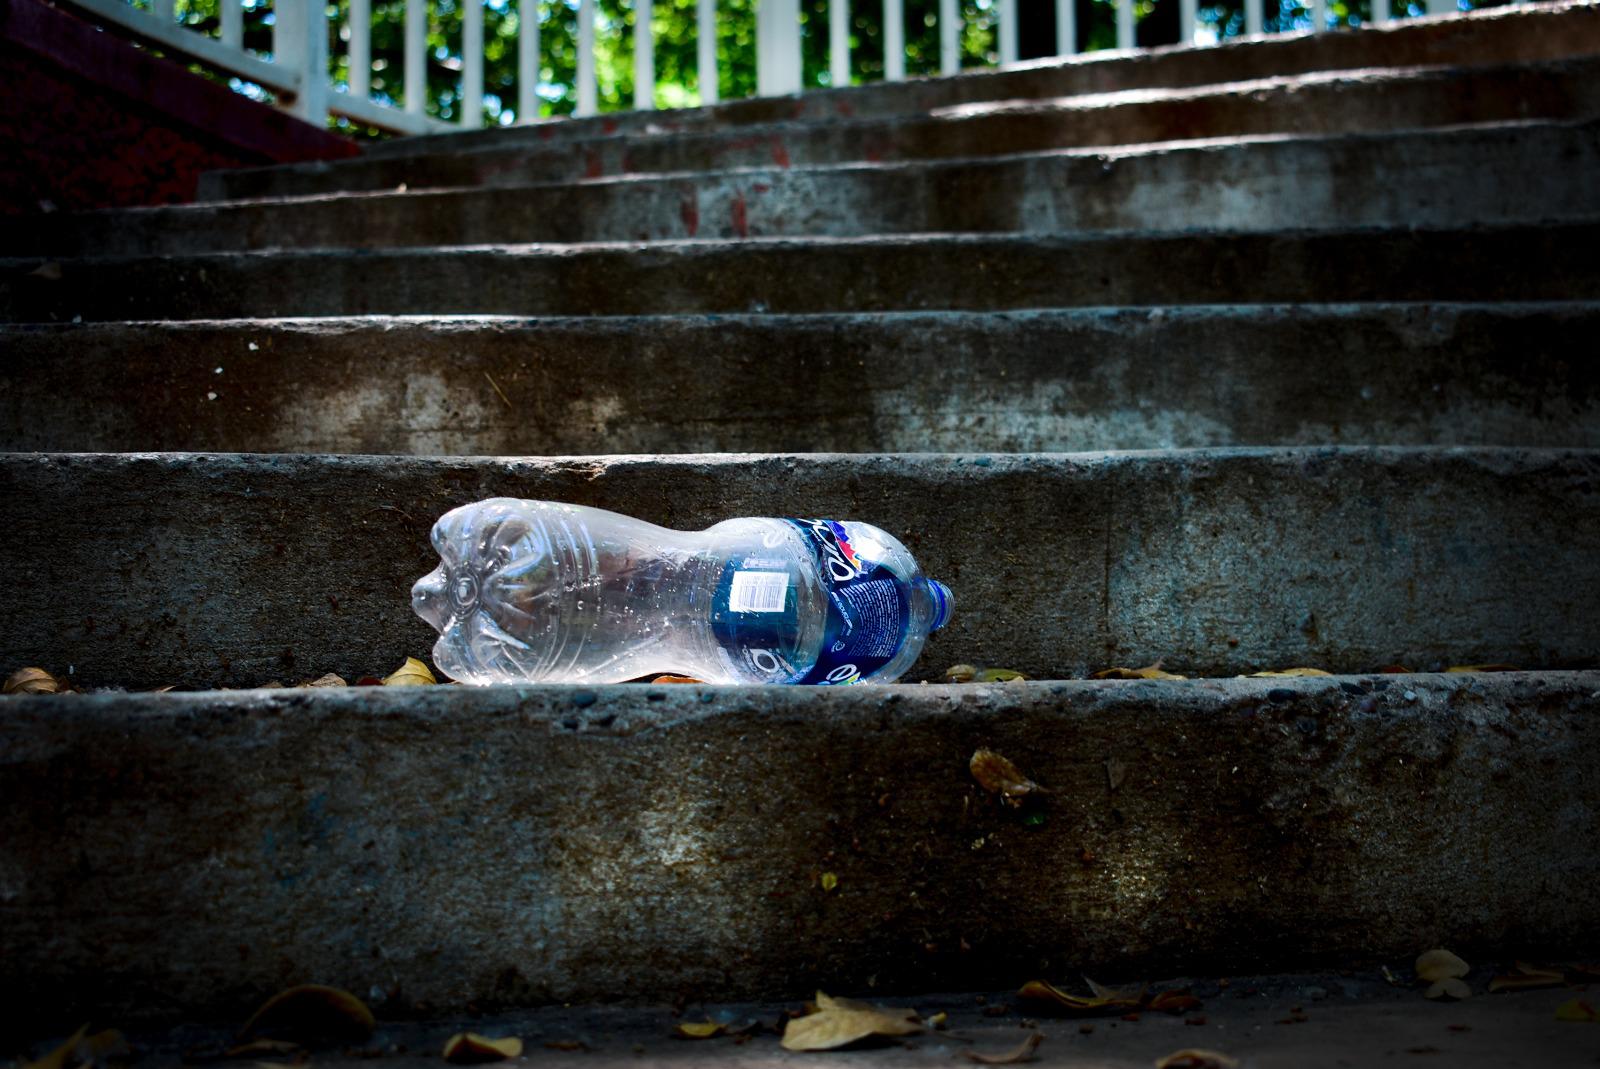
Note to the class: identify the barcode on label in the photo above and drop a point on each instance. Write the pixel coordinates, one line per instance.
(758, 591)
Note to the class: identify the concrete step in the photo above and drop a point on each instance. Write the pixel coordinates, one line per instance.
(551, 844)
(1050, 381)
(1526, 33)
(1498, 173)
(146, 570)
(1321, 103)
(971, 272)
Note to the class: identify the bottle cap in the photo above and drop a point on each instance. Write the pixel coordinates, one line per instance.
(944, 603)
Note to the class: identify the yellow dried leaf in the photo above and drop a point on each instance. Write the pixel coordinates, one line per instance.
(1578, 1009)
(676, 679)
(311, 1013)
(62, 1056)
(997, 775)
(1285, 673)
(32, 681)
(469, 1048)
(1482, 668)
(999, 675)
(329, 680)
(829, 881)
(1195, 1058)
(1527, 977)
(1149, 671)
(840, 1022)
(411, 674)
(1060, 1001)
(960, 673)
(1173, 1002)
(698, 1030)
(1440, 964)
(940, 1020)
(1023, 1052)
(1450, 987)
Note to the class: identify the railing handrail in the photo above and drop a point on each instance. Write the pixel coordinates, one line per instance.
(298, 71)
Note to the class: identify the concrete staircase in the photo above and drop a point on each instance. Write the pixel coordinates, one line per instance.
(1272, 354)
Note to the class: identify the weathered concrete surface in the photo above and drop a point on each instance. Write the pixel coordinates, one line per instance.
(1056, 381)
(975, 272)
(1522, 34)
(1316, 104)
(1504, 173)
(193, 853)
(196, 569)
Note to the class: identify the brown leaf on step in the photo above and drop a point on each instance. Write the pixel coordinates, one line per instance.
(1527, 977)
(997, 775)
(698, 1030)
(1149, 671)
(676, 679)
(329, 680)
(469, 1048)
(32, 681)
(940, 1020)
(569, 1045)
(310, 1014)
(1451, 988)
(1023, 1052)
(62, 1057)
(1578, 1009)
(1196, 1058)
(266, 1048)
(411, 674)
(50, 272)
(1285, 673)
(1440, 964)
(1050, 997)
(1482, 668)
(999, 675)
(840, 1022)
(1394, 670)
(960, 673)
(1174, 1002)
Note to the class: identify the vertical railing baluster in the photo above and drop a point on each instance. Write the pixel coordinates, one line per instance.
(949, 36)
(1252, 16)
(416, 60)
(1187, 17)
(360, 47)
(233, 23)
(1007, 14)
(894, 40)
(471, 64)
(527, 60)
(644, 55)
(300, 44)
(1380, 10)
(1441, 7)
(1125, 23)
(1319, 15)
(706, 48)
(838, 42)
(588, 101)
(1066, 27)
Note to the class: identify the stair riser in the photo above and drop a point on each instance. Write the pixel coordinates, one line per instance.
(1364, 102)
(519, 845)
(200, 570)
(1486, 38)
(1022, 382)
(1496, 175)
(877, 274)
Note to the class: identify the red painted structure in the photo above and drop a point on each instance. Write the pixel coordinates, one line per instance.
(87, 120)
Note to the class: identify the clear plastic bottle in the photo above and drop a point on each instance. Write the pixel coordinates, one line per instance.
(538, 591)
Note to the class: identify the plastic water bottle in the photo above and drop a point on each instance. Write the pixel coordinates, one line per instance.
(539, 591)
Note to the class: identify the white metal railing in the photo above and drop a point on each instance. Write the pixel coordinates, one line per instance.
(298, 70)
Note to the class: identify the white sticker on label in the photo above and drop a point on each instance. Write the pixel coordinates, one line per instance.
(758, 592)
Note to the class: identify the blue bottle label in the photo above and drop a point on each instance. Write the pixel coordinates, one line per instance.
(755, 615)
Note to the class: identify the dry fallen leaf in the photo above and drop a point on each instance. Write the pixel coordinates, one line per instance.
(32, 681)
(1149, 671)
(1195, 1058)
(1285, 673)
(840, 1022)
(82, 1051)
(676, 679)
(1526, 977)
(698, 1029)
(411, 674)
(1440, 964)
(570, 1045)
(997, 775)
(960, 673)
(469, 1048)
(999, 675)
(940, 1020)
(329, 680)
(1450, 987)
(1114, 994)
(1578, 1009)
(265, 1048)
(310, 1014)
(829, 881)
(1482, 668)
(1060, 1001)
(63, 1056)
(1174, 1002)
(1022, 1053)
